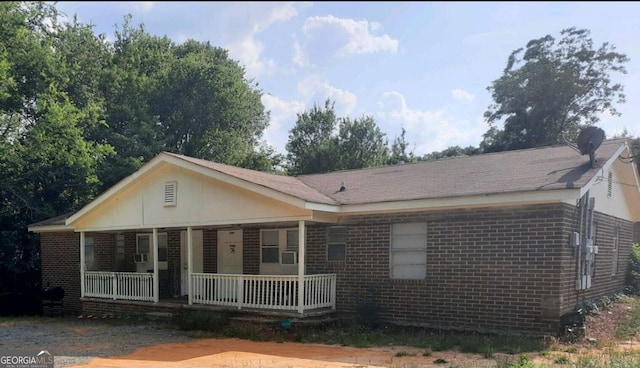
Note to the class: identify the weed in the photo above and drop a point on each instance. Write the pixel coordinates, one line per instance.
(562, 360)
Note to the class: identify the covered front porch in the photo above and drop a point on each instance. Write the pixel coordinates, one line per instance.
(225, 285)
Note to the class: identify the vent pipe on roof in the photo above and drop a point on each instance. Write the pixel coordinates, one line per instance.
(342, 187)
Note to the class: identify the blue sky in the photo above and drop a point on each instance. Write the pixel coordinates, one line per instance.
(424, 66)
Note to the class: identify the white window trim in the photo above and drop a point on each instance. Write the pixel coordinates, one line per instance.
(282, 245)
(344, 244)
(393, 251)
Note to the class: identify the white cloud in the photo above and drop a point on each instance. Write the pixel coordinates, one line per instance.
(283, 117)
(459, 94)
(299, 59)
(246, 48)
(317, 90)
(429, 131)
(352, 37)
(144, 5)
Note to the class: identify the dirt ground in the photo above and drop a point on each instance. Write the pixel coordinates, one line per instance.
(243, 353)
(92, 343)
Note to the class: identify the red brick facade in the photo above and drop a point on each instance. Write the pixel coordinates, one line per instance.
(488, 269)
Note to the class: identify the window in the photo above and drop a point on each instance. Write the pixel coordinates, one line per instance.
(408, 251)
(270, 246)
(89, 254)
(336, 243)
(144, 244)
(614, 255)
(170, 193)
(292, 240)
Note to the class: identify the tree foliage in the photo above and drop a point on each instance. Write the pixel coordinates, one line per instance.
(553, 88)
(321, 142)
(79, 112)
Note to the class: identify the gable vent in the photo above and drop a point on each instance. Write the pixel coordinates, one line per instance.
(170, 193)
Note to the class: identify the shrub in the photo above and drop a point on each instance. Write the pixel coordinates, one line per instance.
(632, 281)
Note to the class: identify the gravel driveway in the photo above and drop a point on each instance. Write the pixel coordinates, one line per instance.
(74, 341)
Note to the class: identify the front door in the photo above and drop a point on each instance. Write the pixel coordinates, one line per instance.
(197, 258)
(230, 251)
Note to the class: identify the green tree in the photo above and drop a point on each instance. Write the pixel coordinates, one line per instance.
(453, 151)
(552, 88)
(311, 147)
(206, 106)
(360, 144)
(399, 148)
(321, 142)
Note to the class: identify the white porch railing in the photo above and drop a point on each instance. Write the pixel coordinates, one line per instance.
(279, 292)
(119, 285)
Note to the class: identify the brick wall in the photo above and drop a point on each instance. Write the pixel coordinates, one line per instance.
(209, 251)
(604, 281)
(251, 251)
(487, 269)
(60, 262)
(104, 250)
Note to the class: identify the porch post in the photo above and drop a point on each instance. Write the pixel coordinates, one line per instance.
(82, 264)
(156, 278)
(189, 263)
(301, 256)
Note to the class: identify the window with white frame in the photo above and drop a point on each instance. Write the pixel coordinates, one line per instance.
(270, 246)
(144, 243)
(408, 255)
(279, 246)
(336, 243)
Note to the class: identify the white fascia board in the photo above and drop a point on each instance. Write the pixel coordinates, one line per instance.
(200, 224)
(605, 167)
(50, 228)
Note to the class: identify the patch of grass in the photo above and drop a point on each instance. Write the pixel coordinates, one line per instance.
(440, 361)
(522, 362)
(571, 350)
(631, 326)
(610, 360)
(562, 359)
(200, 320)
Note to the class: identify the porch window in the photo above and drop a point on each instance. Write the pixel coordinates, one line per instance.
(408, 251)
(336, 243)
(270, 246)
(144, 242)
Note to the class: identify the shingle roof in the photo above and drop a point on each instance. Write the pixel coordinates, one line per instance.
(54, 221)
(558, 167)
(536, 169)
(284, 184)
